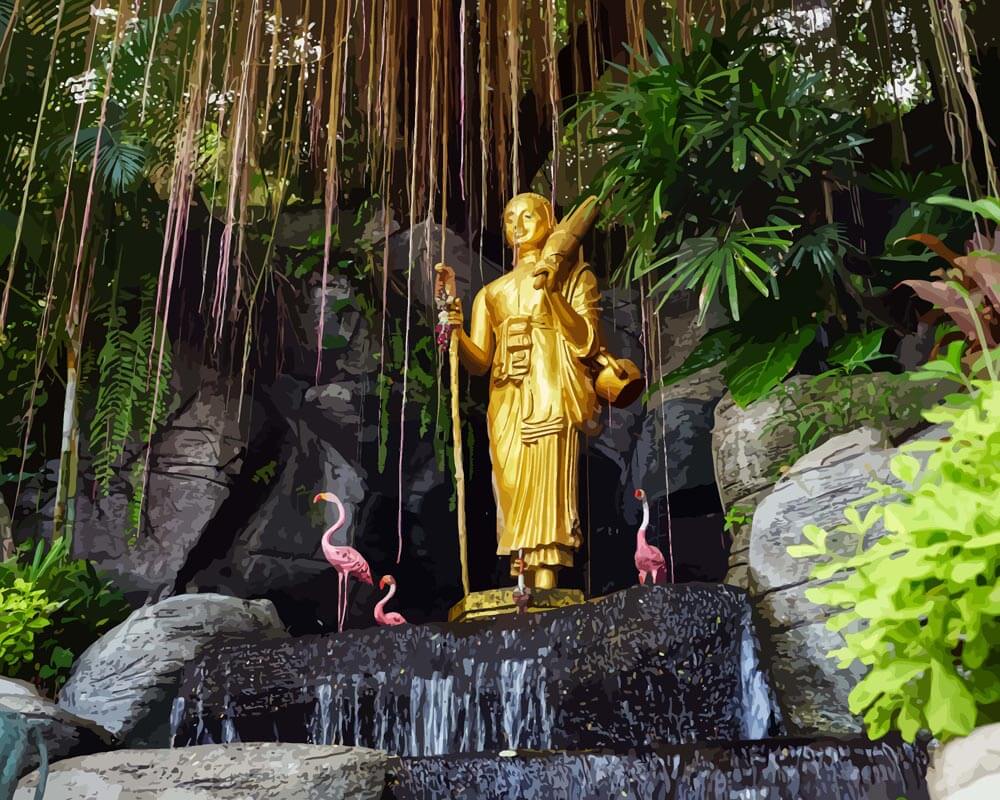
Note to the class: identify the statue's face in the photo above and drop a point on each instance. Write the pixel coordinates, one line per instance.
(525, 222)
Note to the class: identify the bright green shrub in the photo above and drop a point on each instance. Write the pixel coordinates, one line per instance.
(61, 606)
(924, 600)
(25, 612)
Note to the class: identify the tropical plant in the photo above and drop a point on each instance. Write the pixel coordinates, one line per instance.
(25, 611)
(706, 156)
(922, 602)
(57, 607)
(967, 292)
(715, 164)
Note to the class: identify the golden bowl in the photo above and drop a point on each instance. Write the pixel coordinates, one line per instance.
(619, 382)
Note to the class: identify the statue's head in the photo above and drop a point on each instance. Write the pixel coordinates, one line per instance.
(527, 220)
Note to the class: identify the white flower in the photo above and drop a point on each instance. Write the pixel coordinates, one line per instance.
(81, 86)
(220, 99)
(103, 13)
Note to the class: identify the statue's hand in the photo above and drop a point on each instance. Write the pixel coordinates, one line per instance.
(455, 316)
(545, 274)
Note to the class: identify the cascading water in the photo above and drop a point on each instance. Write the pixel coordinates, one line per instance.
(818, 769)
(654, 693)
(657, 664)
(760, 709)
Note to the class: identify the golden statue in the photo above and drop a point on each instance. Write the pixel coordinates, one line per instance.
(536, 329)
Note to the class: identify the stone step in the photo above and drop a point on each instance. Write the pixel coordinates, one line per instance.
(648, 664)
(835, 768)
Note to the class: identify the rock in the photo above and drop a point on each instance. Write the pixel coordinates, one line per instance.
(218, 772)
(13, 686)
(350, 349)
(126, 680)
(688, 424)
(839, 448)
(776, 769)
(65, 734)
(967, 768)
(275, 548)
(751, 445)
(679, 334)
(420, 246)
(811, 690)
(296, 226)
(195, 460)
(666, 663)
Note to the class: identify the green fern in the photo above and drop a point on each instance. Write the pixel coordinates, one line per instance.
(131, 375)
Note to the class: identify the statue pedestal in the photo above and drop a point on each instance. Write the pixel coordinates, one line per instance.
(494, 602)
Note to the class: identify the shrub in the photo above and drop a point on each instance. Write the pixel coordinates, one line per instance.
(24, 613)
(924, 599)
(59, 606)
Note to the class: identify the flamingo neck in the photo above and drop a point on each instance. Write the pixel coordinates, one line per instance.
(380, 605)
(641, 536)
(645, 515)
(328, 536)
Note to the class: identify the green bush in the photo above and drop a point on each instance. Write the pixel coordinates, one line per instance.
(51, 609)
(924, 599)
(24, 613)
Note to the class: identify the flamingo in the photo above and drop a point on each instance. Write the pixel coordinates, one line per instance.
(346, 560)
(648, 559)
(393, 617)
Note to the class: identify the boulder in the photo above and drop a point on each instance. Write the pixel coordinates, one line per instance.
(218, 772)
(688, 425)
(64, 734)
(817, 489)
(752, 445)
(967, 768)
(9, 686)
(127, 679)
(195, 460)
(420, 247)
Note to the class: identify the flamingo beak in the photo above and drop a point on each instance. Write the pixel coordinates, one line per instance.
(639, 494)
(387, 580)
(319, 497)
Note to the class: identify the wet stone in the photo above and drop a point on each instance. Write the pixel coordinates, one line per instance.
(650, 664)
(776, 769)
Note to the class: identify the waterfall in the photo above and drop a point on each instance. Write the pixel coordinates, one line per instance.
(760, 710)
(673, 664)
(176, 716)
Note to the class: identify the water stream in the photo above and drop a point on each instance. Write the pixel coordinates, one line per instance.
(646, 666)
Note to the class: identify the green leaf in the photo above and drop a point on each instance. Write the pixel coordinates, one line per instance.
(905, 467)
(951, 709)
(854, 352)
(758, 366)
(334, 342)
(988, 207)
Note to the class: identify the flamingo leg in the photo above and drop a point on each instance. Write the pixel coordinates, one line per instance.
(656, 576)
(642, 578)
(347, 589)
(340, 600)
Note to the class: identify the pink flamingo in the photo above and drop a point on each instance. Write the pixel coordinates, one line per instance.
(648, 559)
(346, 560)
(393, 617)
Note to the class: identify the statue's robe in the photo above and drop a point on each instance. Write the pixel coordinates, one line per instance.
(541, 400)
